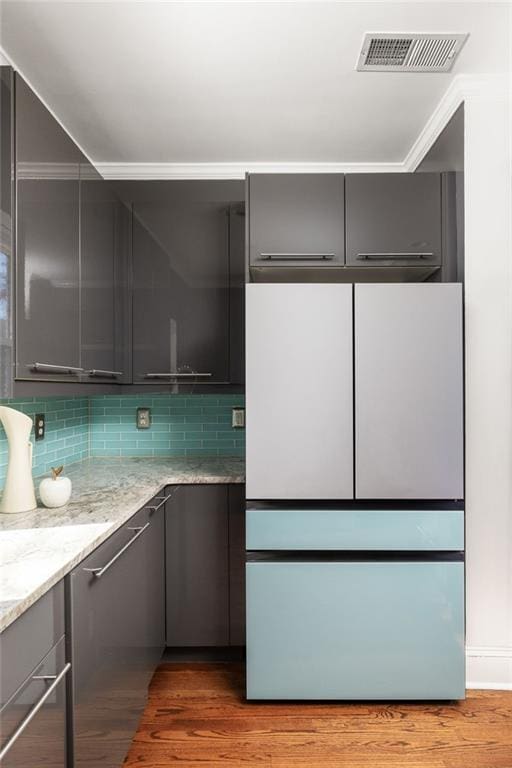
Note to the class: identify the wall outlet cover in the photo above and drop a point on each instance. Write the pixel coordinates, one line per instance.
(143, 418)
(39, 426)
(238, 418)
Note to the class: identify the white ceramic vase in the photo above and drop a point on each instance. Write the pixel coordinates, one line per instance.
(55, 492)
(18, 494)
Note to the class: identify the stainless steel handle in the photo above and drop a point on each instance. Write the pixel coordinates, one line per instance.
(35, 709)
(99, 372)
(162, 502)
(174, 375)
(100, 571)
(55, 368)
(392, 256)
(299, 256)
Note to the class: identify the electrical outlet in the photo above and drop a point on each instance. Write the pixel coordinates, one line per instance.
(238, 418)
(143, 418)
(39, 426)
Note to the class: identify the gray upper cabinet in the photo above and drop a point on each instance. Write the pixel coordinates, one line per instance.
(48, 271)
(117, 631)
(296, 220)
(6, 231)
(101, 274)
(187, 283)
(409, 391)
(393, 219)
(197, 566)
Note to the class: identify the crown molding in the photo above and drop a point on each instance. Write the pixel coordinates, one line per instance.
(180, 171)
(460, 89)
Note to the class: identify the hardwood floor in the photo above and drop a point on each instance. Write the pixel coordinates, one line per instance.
(197, 716)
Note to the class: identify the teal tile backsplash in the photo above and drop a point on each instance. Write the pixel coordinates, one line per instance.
(181, 425)
(67, 432)
(78, 427)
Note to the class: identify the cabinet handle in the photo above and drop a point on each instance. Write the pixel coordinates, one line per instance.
(301, 256)
(174, 375)
(100, 571)
(49, 367)
(99, 372)
(395, 256)
(162, 502)
(35, 709)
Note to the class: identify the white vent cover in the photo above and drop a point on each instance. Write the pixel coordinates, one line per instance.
(409, 52)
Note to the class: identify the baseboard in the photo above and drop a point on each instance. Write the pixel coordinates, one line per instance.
(489, 668)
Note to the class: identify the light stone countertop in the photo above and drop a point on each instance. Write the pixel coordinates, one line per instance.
(38, 548)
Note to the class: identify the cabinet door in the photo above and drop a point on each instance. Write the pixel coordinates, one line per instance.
(117, 638)
(299, 371)
(409, 391)
(197, 566)
(355, 630)
(188, 278)
(393, 219)
(237, 565)
(296, 219)
(6, 232)
(99, 212)
(38, 739)
(48, 296)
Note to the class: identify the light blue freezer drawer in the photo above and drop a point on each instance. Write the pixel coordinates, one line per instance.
(334, 529)
(355, 630)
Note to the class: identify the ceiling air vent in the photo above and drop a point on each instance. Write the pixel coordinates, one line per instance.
(403, 52)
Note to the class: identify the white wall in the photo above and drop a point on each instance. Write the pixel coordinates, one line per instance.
(488, 297)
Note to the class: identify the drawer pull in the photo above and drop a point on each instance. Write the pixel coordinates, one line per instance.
(162, 502)
(297, 256)
(50, 368)
(100, 571)
(35, 709)
(175, 375)
(109, 374)
(392, 256)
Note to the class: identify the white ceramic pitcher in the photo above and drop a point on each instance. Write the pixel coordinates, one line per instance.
(18, 494)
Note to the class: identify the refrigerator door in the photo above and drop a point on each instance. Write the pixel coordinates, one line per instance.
(299, 373)
(355, 630)
(409, 391)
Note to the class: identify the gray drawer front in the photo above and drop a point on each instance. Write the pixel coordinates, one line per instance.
(43, 740)
(25, 642)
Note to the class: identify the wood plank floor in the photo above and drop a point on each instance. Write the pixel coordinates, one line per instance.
(197, 716)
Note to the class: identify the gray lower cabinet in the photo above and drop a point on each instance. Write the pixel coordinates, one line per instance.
(296, 219)
(33, 680)
(197, 566)
(393, 219)
(236, 495)
(117, 628)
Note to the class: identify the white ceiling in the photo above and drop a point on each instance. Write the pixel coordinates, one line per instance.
(214, 82)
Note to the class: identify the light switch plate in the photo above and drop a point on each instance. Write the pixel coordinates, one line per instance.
(238, 418)
(143, 418)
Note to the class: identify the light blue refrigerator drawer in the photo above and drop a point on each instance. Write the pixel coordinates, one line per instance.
(335, 529)
(355, 630)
